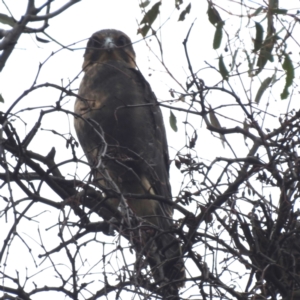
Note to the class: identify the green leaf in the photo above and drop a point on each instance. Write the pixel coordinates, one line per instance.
(222, 68)
(290, 75)
(215, 122)
(144, 30)
(178, 3)
(151, 14)
(173, 121)
(181, 98)
(280, 11)
(184, 12)
(264, 85)
(1, 99)
(213, 15)
(41, 40)
(257, 11)
(259, 36)
(234, 58)
(274, 77)
(265, 53)
(145, 4)
(246, 127)
(189, 84)
(218, 35)
(4, 19)
(250, 64)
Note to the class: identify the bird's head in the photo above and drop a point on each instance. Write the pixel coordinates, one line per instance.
(107, 45)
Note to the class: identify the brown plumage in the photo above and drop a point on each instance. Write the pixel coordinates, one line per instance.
(132, 155)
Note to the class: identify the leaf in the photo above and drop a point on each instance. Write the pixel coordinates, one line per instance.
(177, 164)
(213, 15)
(280, 11)
(246, 128)
(151, 14)
(222, 68)
(265, 53)
(172, 93)
(189, 84)
(184, 12)
(234, 58)
(1, 99)
(178, 3)
(249, 192)
(181, 98)
(144, 4)
(144, 30)
(193, 140)
(215, 122)
(264, 85)
(185, 160)
(259, 36)
(290, 75)
(218, 35)
(274, 77)
(250, 64)
(173, 121)
(4, 19)
(257, 11)
(41, 40)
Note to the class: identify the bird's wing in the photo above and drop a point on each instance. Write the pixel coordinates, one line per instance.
(159, 173)
(121, 101)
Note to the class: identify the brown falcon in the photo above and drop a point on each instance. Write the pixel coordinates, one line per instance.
(122, 133)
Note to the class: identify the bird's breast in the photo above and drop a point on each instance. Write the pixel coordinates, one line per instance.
(114, 98)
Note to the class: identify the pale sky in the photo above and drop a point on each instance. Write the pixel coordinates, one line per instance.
(74, 27)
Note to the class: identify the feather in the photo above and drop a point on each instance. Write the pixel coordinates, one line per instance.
(133, 149)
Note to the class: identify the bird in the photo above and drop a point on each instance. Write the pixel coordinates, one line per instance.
(120, 127)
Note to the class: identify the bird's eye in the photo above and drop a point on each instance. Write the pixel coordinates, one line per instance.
(122, 41)
(94, 43)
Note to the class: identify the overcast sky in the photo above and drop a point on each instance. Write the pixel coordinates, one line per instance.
(74, 27)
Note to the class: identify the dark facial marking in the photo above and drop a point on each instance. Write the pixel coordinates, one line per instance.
(96, 47)
(122, 41)
(94, 42)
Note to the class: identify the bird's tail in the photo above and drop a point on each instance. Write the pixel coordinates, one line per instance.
(171, 259)
(163, 253)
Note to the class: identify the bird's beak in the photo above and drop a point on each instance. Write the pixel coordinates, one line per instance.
(109, 44)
